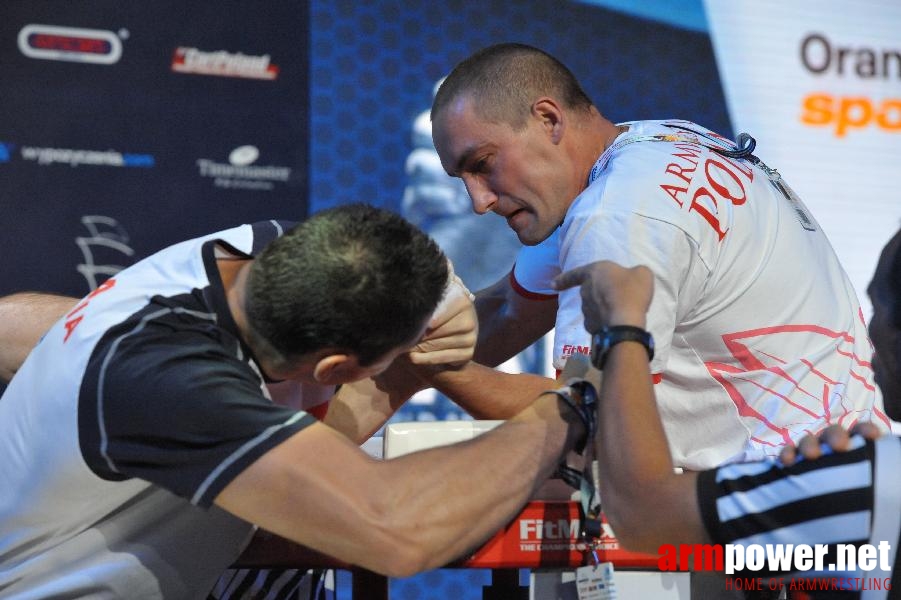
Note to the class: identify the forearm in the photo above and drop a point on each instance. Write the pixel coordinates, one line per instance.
(24, 318)
(486, 393)
(509, 323)
(646, 502)
(405, 515)
(497, 345)
(359, 409)
(500, 338)
(631, 440)
(496, 475)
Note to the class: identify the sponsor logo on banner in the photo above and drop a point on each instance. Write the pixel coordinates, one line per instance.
(548, 534)
(240, 172)
(544, 533)
(73, 44)
(844, 113)
(223, 64)
(75, 158)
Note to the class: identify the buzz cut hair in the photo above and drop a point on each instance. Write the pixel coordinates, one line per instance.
(504, 80)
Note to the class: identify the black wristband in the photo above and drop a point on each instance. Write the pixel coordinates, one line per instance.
(607, 337)
(584, 405)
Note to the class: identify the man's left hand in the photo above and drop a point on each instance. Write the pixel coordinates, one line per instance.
(450, 338)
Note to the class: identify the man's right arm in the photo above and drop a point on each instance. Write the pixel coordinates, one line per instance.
(486, 393)
(409, 514)
(510, 320)
(24, 318)
(646, 503)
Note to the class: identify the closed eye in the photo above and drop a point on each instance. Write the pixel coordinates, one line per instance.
(480, 166)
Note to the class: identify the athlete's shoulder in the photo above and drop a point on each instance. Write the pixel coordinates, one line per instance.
(249, 238)
(535, 267)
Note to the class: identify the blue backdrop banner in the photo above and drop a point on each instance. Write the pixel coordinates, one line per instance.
(127, 127)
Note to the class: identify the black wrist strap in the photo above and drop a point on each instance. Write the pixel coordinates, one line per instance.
(585, 407)
(581, 397)
(607, 337)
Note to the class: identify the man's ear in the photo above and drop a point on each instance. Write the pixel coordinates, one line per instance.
(548, 111)
(334, 369)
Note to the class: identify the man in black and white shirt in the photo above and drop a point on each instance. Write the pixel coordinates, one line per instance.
(140, 448)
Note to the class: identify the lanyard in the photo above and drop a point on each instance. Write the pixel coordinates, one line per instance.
(743, 148)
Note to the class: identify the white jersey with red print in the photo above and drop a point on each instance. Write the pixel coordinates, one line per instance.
(759, 334)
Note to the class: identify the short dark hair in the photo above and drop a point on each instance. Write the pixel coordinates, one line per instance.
(505, 79)
(355, 278)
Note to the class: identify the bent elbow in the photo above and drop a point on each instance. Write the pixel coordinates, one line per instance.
(393, 549)
(627, 533)
(406, 564)
(634, 523)
(398, 559)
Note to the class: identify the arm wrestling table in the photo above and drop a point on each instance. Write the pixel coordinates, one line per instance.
(544, 535)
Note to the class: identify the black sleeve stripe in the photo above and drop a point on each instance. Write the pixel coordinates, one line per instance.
(794, 513)
(748, 492)
(708, 492)
(296, 422)
(266, 231)
(746, 483)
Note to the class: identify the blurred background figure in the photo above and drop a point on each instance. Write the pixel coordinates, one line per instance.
(481, 247)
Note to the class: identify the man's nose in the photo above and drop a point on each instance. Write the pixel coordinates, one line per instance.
(483, 198)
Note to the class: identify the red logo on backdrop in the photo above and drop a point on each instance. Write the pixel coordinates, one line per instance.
(74, 44)
(223, 64)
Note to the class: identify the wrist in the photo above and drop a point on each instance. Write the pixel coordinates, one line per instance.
(603, 341)
(580, 399)
(432, 375)
(627, 317)
(402, 378)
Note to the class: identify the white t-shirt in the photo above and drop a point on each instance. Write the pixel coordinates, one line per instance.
(759, 334)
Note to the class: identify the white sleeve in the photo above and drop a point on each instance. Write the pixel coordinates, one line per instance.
(631, 239)
(536, 267)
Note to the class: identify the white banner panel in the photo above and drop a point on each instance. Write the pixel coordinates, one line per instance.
(818, 84)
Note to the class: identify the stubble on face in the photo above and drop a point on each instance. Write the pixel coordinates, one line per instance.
(516, 169)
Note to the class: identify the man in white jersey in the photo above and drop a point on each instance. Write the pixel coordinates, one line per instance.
(140, 447)
(851, 497)
(760, 338)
